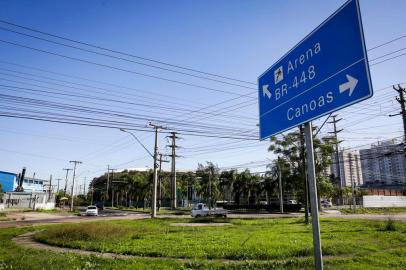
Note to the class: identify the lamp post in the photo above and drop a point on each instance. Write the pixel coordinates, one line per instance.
(154, 156)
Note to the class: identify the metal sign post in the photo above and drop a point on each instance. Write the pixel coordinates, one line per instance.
(311, 174)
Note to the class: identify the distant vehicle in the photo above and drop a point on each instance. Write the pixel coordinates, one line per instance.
(91, 210)
(326, 203)
(292, 202)
(201, 210)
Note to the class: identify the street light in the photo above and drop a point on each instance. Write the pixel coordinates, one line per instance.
(135, 137)
(154, 156)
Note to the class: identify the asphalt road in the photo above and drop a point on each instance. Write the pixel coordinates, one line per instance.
(40, 218)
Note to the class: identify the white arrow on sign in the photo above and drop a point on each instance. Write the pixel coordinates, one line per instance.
(265, 91)
(350, 85)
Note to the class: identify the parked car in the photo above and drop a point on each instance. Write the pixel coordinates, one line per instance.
(91, 210)
(326, 203)
(201, 210)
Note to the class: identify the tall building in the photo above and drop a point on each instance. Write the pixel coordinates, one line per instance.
(350, 168)
(384, 163)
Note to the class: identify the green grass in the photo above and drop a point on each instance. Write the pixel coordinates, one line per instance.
(390, 210)
(249, 244)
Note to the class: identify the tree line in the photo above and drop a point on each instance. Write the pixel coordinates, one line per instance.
(210, 184)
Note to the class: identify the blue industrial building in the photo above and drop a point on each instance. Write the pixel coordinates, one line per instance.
(9, 183)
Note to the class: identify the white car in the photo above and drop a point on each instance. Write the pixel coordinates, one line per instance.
(92, 210)
(201, 210)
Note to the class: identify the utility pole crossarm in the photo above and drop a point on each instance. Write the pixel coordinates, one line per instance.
(401, 100)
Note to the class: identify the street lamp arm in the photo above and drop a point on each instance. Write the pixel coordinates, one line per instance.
(135, 137)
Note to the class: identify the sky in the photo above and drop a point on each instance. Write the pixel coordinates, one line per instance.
(234, 39)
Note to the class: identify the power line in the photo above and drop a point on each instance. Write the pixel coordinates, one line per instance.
(125, 70)
(127, 60)
(126, 54)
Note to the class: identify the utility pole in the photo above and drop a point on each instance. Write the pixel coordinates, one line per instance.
(154, 185)
(112, 190)
(75, 162)
(352, 182)
(50, 187)
(160, 180)
(280, 186)
(173, 169)
(66, 180)
(91, 200)
(209, 189)
(107, 185)
(401, 100)
(84, 187)
(59, 179)
(338, 176)
(304, 175)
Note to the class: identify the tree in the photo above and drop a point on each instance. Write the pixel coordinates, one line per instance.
(242, 186)
(288, 149)
(208, 177)
(227, 181)
(131, 187)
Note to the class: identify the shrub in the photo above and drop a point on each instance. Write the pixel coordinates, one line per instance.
(390, 225)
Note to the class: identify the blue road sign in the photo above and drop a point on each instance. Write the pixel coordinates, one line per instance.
(326, 71)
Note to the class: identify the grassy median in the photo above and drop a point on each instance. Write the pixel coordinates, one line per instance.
(228, 244)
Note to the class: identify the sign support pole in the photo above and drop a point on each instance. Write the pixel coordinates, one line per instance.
(311, 172)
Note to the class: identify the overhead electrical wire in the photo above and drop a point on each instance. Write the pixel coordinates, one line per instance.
(126, 54)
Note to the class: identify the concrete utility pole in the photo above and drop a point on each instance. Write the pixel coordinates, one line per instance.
(160, 180)
(210, 200)
(280, 186)
(107, 185)
(352, 182)
(84, 187)
(337, 142)
(91, 200)
(59, 179)
(305, 184)
(401, 100)
(75, 162)
(66, 180)
(112, 190)
(50, 187)
(154, 185)
(173, 169)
